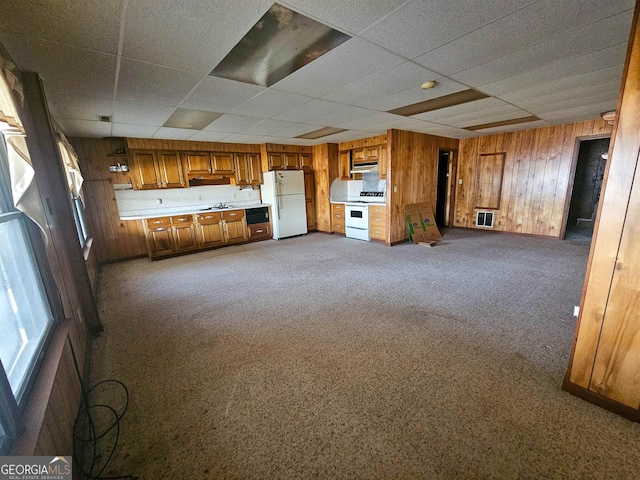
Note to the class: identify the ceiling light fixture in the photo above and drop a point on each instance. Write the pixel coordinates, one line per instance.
(191, 119)
(440, 102)
(609, 117)
(279, 44)
(429, 84)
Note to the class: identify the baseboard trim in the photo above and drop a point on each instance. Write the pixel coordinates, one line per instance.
(603, 402)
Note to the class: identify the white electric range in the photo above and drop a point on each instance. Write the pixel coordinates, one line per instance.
(357, 214)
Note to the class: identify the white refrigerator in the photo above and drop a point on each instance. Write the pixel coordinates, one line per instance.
(284, 190)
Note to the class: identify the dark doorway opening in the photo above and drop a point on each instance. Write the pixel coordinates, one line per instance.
(442, 189)
(587, 184)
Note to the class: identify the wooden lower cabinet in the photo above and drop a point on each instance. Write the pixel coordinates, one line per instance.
(378, 222)
(168, 236)
(259, 231)
(337, 218)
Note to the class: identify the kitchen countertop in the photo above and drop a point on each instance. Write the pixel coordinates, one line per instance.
(194, 209)
(359, 200)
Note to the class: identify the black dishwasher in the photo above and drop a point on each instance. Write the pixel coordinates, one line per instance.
(257, 215)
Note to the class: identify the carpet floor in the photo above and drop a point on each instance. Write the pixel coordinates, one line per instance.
(328, 357)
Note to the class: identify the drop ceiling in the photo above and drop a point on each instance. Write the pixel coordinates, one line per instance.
(143, 61)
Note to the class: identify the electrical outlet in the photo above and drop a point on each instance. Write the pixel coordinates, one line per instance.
(199, 198)
(233, 195)
(460, 181)
(159, 201)
(395, 189)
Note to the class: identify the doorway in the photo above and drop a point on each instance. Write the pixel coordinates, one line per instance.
(587, 184)
(445, 188)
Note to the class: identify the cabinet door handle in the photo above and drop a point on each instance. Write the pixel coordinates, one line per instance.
(259, 231)
(157, 222)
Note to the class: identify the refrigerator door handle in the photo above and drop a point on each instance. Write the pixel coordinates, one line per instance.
(278, 206)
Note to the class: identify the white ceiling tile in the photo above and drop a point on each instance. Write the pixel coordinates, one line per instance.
(143, 81)
(344, 136)
(604, 33)
(584, 101)
(489, 116)
(369, 123)
(564, 69)
(420, 26)
(313, 109)
(297, 129)
(414, 95)
(350, 15)
(580, 112)
(239, 138)
(136, 131)
(269, 103)
(229, 123)
(141, 112)
(487, 43)
(84, 128)
(81, 23)
(405, 123)
(63, 68)
(344, 64)
(79, 107)
(555, 96)
(344, 114)
(219, 94)
(267, 127)
(391, 80)
(169, 133)
(193, 36)
(205, 136)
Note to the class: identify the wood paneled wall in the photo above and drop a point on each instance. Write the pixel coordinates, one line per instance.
(363, 142)
(605, 360)
(113, 239)
(159, 144)
(412, 175)
(325, 167)
(537, 177)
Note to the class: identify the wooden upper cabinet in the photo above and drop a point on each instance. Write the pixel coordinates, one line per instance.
(196, 163)
(306, 162)
(276, 161)
(358, 155)
(222, 163)
(290, 161)
(372, 154)
(248, 169)
(254, 164)
(344, 164)
(170, 169)
(145, 170)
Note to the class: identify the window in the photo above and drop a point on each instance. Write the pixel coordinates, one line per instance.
(78, 212)
(25, 315)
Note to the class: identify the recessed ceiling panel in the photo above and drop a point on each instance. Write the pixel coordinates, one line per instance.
(502, 123)
(438, 103)
(143, 81)
(466, 111)
(282, 42)
(321, 132)
(229, 123)
(174, 133)
(191, 119)
(513, 128)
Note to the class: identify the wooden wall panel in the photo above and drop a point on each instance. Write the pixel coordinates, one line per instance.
(363, 142)
(537, 179)
(489, 175)
(113, 239)
(325, 167)
(412, 176)
(605, 359)
(159, 144)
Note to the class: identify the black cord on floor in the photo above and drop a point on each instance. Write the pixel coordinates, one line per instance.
(85, 420)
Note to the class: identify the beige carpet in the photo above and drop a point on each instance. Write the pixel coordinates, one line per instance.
(327, 357)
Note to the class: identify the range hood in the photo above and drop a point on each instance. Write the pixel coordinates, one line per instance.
(367, 167)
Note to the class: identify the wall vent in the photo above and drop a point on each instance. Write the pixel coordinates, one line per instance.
(484, 219)
(104, 118)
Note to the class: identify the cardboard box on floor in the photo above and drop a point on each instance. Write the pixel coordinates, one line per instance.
(422, 224)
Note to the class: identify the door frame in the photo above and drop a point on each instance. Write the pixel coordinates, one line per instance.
(572, 177)
(452, 175)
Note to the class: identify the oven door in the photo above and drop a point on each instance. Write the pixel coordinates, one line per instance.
(357, 221)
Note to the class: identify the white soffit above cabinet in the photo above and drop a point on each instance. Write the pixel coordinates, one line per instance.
(139, 61)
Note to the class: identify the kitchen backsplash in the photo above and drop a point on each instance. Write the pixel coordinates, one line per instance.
(130, 201)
